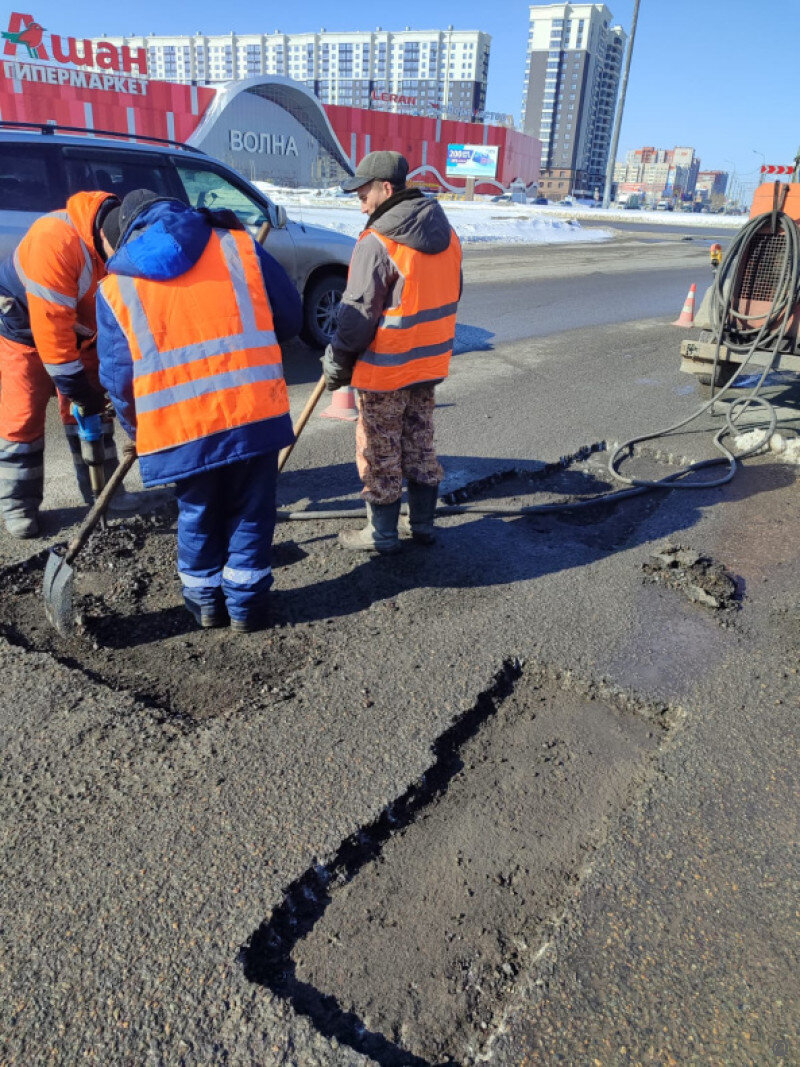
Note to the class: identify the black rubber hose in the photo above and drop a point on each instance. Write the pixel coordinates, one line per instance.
(770, 333)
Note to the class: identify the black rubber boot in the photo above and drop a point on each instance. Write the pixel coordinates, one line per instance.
(209, 617)
(421, 513)
(380, 533)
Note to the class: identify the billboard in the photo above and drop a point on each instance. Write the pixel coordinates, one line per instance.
(471, 160)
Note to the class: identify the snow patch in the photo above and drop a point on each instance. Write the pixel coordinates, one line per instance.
(786, 449)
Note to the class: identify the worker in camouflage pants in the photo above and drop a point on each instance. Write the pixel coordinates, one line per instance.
(394, 440)
(393, 342)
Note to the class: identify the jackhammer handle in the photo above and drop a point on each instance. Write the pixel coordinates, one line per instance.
(101, 504)
(305, 415)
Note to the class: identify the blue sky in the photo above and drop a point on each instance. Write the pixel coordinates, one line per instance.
(719, 75)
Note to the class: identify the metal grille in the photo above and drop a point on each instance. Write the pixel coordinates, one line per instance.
(762, 270)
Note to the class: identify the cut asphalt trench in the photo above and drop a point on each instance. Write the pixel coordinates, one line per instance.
(214, 848)
(406, 943)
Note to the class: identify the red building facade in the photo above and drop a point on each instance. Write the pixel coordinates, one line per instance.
(423, 141)
(123, 102)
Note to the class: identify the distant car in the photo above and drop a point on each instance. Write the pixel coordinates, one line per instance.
(540, 200)
(41, 167)
(568, 201)
(503, 198)
(664, 205)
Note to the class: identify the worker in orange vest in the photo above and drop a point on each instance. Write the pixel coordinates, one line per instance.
(47, 327)
(393, 343)
(189, 323)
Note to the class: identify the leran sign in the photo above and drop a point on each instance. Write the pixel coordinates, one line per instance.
(25, 35)
(267, 144)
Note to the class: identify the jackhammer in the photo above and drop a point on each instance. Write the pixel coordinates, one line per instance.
(90, 434)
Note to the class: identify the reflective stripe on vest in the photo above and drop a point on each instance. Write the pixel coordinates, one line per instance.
(173, 384)
(413, 342)
(53, 295)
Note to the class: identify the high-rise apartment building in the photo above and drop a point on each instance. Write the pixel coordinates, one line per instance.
(572, 74)
(658, 172)
(410, 70)
(711, 187)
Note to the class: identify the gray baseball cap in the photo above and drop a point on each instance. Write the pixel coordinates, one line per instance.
(380, 167)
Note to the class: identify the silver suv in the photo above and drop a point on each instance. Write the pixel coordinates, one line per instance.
(41, 166)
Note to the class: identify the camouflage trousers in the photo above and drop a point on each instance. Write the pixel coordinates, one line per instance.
(394, 440)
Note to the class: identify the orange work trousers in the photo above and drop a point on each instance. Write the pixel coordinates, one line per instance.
(26, 389)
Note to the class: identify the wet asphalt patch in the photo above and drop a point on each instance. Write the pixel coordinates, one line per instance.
(133, 633)
(407, 944)
(409, 941)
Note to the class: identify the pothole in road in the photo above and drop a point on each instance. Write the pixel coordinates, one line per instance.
(132, 631)
(406, 945)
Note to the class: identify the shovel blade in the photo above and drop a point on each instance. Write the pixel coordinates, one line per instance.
(57, 592)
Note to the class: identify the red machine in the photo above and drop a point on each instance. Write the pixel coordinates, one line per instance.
(751, 313)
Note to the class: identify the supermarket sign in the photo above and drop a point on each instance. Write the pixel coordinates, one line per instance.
(471, 161)
(26, 40)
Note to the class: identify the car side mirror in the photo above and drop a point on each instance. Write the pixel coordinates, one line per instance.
(281, 218)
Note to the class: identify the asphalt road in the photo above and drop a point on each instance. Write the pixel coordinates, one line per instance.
(685, 228)
(242, 888)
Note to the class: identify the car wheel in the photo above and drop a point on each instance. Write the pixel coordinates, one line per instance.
(320, 308)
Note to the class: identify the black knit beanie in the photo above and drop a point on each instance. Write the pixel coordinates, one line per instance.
(110, 206)
(118, 222)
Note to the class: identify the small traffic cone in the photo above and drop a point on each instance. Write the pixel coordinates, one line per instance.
(343, 405)
(686, 317)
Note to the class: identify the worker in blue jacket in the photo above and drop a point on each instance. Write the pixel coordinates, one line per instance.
(189, 324)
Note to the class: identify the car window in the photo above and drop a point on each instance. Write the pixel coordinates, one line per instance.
(118, 172)
(30, 178)
(206, 187)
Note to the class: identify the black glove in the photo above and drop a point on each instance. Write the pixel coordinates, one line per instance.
(222, 218)
(93, 402)
(336, 376)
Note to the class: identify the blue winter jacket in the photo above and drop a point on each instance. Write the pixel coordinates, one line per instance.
(166, 241)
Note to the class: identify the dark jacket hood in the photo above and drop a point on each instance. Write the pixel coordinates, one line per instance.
(163, 242)
(411, 218)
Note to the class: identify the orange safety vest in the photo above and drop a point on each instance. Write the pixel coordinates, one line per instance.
(414, 342)
(205, 355)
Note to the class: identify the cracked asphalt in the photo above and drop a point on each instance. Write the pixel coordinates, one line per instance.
(142, 849)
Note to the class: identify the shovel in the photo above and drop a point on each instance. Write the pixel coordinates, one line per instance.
(58, 573)
(305, 415)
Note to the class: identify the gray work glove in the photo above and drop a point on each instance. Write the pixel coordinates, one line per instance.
(336, 373)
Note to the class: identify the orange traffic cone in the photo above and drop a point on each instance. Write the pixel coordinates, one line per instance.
(343, 405)
(686, 317)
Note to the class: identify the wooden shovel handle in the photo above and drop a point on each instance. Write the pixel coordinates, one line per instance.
(305, 415)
